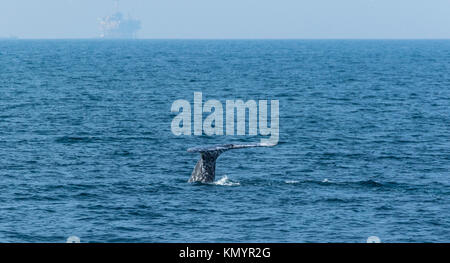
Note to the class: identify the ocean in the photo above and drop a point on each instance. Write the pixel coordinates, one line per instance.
(86, 147)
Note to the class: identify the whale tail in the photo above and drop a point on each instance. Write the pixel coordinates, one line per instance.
(205, 168)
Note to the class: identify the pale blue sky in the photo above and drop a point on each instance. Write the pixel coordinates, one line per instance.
(232, 18)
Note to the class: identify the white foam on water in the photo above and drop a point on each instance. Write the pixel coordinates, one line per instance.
(291, 181)
(226, 182)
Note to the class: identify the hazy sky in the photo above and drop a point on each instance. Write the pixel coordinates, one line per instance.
(232, 18)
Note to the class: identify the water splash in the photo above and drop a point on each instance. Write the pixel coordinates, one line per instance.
(226, 182)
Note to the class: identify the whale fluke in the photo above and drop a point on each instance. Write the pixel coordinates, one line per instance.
(205, 169)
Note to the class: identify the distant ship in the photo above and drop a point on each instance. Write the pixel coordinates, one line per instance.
(117, 27)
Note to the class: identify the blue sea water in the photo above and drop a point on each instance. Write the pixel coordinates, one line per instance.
(86, 147)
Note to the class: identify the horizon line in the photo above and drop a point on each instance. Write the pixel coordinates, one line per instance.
(114, 39)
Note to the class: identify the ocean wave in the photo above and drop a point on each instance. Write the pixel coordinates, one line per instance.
(292, 181)
(335, 200)
(365, 183)
(74, 139)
